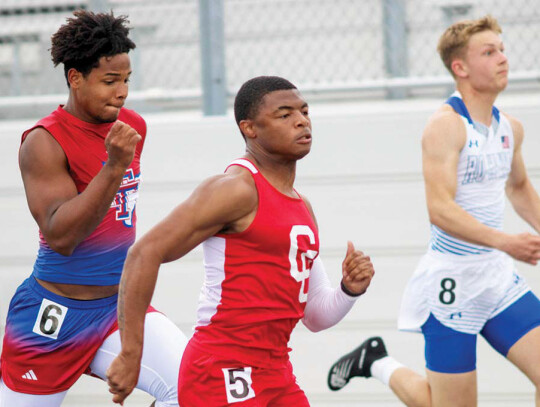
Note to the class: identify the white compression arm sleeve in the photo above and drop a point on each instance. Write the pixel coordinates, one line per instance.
(326, 306)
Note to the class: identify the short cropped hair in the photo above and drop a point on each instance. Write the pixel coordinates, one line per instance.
(453, 43)
(87, 37)
(250, 95)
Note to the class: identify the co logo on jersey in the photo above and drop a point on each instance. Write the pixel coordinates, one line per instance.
(300, 256)
(126, 198)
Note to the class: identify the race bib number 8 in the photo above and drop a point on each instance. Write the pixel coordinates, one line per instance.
(238, 384)
(50, 319)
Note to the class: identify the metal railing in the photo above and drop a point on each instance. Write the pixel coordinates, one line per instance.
(201, 51)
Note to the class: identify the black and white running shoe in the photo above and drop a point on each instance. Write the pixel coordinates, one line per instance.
(356, 363)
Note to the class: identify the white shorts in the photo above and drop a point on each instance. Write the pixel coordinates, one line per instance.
(462, 292)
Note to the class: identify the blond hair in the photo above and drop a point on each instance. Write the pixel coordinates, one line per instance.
(455, 39)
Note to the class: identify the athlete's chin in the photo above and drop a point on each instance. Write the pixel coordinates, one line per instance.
(302, 154)
(109, 118)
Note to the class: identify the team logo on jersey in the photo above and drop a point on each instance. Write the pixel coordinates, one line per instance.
(482, 167)
(126, 198)
(301, 256)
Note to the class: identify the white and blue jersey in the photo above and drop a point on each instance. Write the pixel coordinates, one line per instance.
(483, 168)
(462, 284)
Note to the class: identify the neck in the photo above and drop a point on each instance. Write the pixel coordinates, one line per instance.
(280, 173)
(479, 105)
(72, 109)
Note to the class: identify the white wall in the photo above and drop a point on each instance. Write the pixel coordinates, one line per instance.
(363, 179)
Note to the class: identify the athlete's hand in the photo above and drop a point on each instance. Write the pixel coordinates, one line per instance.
(357, 271)
(524, 247)
(122, 376)
(121, 143)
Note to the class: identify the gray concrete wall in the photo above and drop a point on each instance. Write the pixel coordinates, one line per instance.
(363, 178)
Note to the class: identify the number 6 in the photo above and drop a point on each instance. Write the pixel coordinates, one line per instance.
(50, 319)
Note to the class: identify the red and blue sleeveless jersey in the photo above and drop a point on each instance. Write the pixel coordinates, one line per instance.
(98, 260)
(256, 281)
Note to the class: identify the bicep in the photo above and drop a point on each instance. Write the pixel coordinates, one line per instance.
(441, 147)
(213, 205)
(46, 179)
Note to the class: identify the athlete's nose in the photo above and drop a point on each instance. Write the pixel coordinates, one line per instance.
(303, 120)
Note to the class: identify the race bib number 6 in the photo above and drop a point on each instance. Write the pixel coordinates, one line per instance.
(50, 319)
(238, 384)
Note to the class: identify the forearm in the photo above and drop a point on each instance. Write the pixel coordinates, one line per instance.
(526, 203)
(326, 306)
(76, 218)
(136, 289)
(455, 221)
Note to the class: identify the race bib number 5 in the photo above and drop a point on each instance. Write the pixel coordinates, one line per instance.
(238, 384)
(50, 319)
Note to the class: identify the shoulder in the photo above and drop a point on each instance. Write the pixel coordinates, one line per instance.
(41, 149)
(233, 190)
(39, 137)
(49, 122)
(445, 127)
(517, 127)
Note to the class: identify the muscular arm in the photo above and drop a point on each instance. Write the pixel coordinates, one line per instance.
(519, 189)
(442, 142)
(222, 202)
(65, 217)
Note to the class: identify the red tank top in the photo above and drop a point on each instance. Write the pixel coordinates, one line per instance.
(256, 281)
(97, 260)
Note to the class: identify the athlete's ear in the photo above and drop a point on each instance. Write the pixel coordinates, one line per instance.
(247, 128)
(74, 78)
(459, 67)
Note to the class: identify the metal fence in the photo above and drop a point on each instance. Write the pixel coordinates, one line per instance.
(320, 45)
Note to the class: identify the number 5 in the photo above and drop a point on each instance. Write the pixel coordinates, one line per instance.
(238, 384)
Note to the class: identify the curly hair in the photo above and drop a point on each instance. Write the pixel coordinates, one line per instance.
(455, 39)
(251, 93)
(87, 37)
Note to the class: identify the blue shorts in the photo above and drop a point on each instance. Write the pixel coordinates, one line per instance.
(450, 351)
(51, 340)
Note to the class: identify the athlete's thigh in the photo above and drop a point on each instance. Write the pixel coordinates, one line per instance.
(293, 396)
(10, 398)
(164, 345)
(525, 354)
(452, 389)
(515, 333)
(511, 332)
